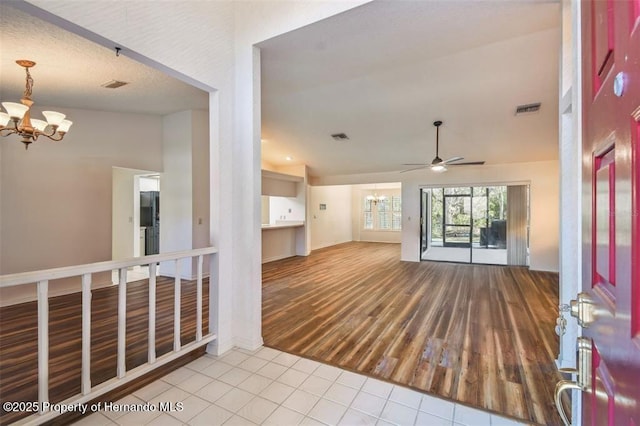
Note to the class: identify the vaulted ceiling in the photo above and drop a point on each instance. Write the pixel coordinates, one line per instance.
(382, 73)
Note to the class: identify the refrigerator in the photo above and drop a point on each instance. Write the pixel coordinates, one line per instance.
(150, 219)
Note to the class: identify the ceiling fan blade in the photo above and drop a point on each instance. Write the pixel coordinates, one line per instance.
(416, 164)
(423, 166)
(452, 159)
(468, 163)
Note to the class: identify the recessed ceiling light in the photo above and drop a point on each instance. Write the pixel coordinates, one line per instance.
(289, 158)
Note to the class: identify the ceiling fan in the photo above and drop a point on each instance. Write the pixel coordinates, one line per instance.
(438, 164)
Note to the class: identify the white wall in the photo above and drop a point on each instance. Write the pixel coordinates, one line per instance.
(184, 202)
(56, 197)
(123, 217)
(176, 210)
(200, 176)
(333, 225)
(286, 209)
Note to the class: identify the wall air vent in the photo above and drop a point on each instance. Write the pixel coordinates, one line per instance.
(340, 137)
(114, 84)
(528, 108)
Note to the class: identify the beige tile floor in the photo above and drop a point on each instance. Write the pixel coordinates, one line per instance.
(269, 387)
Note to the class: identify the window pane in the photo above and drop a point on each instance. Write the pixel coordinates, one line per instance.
(458, 210)
(368, 220)
(465, 190)
(396, 203)
(397, 221)
(457, 234)
(384, 221)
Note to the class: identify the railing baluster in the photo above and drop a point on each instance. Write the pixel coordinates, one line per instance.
(122, 323)
(86, 334)
(199, 301)
(43, 342)
(87, 391)
(176, 308)
(152, 313)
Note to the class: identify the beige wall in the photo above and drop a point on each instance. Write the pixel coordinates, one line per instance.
(56, 197)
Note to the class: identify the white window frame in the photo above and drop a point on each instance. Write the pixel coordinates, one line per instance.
(371, 214)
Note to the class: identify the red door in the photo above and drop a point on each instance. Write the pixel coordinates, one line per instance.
(611, 219)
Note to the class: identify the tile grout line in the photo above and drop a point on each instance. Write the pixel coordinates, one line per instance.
(321, 397)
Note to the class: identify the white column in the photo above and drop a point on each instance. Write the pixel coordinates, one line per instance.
(86, 334)
(43, 342)
(151, 356)
(122, 324)
(176, 307)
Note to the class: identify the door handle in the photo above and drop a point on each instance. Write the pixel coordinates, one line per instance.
(582, 308)
(562, 386)
(583, 376)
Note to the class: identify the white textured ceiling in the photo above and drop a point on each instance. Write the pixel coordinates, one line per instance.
(70, 70)
(383, 72)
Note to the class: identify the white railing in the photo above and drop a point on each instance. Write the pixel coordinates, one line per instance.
(89, 392)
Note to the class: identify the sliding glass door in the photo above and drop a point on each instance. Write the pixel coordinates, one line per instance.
(469, 224)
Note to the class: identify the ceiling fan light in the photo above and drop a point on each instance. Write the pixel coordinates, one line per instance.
(40, 125)
(53, 118)
(438, 168)
(15, 110)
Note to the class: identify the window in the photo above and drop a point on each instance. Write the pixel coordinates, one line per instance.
(396, 213)
(368, 214)
(382, 213)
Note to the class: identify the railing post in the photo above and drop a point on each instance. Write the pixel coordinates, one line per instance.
(43, 343)
(152, 313)
(199, 301)
(86, 334)
(122, 323)
(176, 308)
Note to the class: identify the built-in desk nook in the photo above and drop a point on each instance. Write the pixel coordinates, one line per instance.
(283, 216)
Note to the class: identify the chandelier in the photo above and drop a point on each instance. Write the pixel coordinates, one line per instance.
(17, 120)
(375, 198)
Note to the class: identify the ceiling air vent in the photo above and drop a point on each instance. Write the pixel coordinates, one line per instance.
(114, 84)
(528, 108)
(340, 137)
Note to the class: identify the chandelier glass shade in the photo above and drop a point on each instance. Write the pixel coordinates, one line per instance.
(17, 118)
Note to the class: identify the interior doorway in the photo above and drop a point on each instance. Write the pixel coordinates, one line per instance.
(475, 224)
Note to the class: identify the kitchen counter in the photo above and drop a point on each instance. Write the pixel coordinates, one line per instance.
(282, 239)
(290, 224)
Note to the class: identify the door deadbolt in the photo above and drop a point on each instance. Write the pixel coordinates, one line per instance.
(582, 308)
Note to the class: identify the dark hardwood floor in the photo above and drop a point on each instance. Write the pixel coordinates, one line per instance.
(19, 337)
(480, 335)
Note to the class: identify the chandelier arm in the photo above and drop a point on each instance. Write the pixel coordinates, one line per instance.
(56, 137)
(9, 131)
